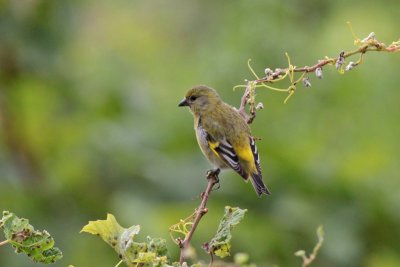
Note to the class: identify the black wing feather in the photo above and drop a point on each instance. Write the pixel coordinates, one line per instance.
(256, 178)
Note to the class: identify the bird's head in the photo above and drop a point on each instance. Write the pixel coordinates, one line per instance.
(200, 99)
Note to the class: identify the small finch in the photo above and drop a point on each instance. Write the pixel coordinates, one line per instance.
(224, 136)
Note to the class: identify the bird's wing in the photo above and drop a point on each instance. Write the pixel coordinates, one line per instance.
(231, 156)
(255, 154)
(224, 150)
(249, 154)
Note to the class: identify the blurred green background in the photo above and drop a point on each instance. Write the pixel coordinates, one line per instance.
(90, 125)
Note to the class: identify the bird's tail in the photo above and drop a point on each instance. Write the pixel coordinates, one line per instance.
(258, 184)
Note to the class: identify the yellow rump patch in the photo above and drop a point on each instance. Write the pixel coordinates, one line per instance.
(246, 156)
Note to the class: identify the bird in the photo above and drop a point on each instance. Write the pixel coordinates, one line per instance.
(224, 136)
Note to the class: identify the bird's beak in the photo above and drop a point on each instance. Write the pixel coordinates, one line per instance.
(183, 103)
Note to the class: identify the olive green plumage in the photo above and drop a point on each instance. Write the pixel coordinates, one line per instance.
(224, 136)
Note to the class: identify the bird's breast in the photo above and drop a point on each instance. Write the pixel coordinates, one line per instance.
(202, 139)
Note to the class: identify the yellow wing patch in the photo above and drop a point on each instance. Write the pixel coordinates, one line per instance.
(213, 146)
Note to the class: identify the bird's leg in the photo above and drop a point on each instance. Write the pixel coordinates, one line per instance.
(213, 175)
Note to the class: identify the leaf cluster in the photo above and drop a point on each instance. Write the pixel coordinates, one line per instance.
(38, 245)
(153, 251)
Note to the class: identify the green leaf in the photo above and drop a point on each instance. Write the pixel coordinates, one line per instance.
(38, 245)
(111, 232)
(152, 252)
(220, 244)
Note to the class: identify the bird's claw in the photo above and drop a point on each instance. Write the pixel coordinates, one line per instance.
(216, 186)
(213, 174)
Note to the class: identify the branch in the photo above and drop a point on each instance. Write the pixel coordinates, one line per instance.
(245, 99)
(249, 97)
(212, 177)
(4, 242)
(368, 44)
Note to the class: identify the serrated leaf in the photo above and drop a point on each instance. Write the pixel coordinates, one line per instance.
(152, 252)
(220, 244)
(38, 245)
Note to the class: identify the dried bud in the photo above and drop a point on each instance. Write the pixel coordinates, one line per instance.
(306, 82)
(340, 60)
(300, 253)
(350, 66)
(370, 36)
(268, 72)
(318, 73)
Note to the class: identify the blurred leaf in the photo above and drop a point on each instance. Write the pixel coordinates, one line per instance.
(241, 258)
(152, 252)
(220, 244)
(38, 245)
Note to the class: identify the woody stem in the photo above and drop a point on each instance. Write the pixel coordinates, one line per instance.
(4, 242)
(212, 178)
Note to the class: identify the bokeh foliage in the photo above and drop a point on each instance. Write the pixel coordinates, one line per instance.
(22, 236)
(89, 124)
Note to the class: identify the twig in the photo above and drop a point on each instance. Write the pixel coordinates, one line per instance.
(368, 44)
(4, 242)
(212, 177)
(249, 97)
(119, 263)
(243, 103)
(372, 45)
(301, 253)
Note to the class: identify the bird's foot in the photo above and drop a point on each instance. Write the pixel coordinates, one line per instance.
(213, 175)
(216, 186)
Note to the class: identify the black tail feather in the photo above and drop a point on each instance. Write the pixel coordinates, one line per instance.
(258, 184)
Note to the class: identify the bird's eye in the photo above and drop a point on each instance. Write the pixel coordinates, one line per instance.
(192, 98)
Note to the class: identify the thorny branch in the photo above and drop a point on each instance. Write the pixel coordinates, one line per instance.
(368, 44)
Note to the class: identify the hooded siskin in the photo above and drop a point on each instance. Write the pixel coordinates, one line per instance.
(224, 136)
